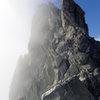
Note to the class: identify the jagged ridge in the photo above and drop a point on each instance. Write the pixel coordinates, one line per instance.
(60, 50)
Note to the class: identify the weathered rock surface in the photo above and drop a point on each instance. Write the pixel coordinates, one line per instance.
(59, 48)
(72, 89)
(72, 15)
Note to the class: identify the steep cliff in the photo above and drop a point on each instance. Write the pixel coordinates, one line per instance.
(63, 62)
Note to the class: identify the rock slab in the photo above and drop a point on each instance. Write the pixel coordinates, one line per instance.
(72, 89)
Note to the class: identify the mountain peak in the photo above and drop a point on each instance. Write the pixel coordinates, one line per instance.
(63, 62)
(72, 15)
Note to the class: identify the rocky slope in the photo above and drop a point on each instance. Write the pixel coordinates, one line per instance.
(63, 62)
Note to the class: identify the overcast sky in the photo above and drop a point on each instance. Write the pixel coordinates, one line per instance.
(15, 26)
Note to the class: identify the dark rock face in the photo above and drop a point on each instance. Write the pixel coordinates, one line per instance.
(73, 15)
(61, 56)
(72, 89)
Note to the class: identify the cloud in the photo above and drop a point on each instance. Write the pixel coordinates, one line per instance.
(28, 6)
(15, 30)
(98, 38)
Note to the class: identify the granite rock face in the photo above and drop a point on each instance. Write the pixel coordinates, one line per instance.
(72, 89)
(63, 62)
(73, 15)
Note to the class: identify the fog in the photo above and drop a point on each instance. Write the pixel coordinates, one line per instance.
(15, 29)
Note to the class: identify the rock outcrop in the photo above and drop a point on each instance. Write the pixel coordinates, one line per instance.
(63, 62)
(68, 90)
(73, 15)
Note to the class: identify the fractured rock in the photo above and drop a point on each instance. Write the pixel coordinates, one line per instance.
(59, 49)
(72, 89)
(72, 14)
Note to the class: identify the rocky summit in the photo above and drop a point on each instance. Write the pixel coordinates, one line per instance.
(63, 61)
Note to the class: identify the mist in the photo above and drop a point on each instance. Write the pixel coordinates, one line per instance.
(15, 29)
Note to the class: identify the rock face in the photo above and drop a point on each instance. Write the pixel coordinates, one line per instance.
(63, 62)
(73, 15)
(71, 89)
